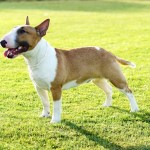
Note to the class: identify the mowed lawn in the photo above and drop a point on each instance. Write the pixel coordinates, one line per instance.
(123, 28)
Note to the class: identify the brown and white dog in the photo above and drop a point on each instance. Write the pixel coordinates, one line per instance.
(56, 70)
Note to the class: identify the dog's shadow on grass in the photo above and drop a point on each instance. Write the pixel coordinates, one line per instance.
(142, 147)
(100, 140)
(93, 137)
(142, 115)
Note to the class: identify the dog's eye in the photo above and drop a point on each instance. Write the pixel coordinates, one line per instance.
(22, 31)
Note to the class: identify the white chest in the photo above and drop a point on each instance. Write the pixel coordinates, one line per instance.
(42, 63)
(45, 73)
(41, 78)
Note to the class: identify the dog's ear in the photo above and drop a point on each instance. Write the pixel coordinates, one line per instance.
(43, 27)
(27, 21)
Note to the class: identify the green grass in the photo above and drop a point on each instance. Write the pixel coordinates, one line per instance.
(120, 26)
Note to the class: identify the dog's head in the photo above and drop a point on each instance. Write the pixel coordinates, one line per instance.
(23, 38)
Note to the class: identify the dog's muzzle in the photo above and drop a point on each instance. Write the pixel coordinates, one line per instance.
(14, 52)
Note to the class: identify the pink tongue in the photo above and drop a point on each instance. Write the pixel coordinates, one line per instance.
(9, 53)
(5, 53)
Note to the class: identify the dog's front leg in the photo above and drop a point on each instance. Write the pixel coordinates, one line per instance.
(45, 101)
(57, 104)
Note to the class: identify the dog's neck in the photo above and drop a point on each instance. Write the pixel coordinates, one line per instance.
(35, 56)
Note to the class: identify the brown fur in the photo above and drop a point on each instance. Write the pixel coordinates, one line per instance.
(123, 62)
(86, 63)
(81, 64)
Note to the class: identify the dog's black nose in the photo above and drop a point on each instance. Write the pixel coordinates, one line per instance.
(3, 43)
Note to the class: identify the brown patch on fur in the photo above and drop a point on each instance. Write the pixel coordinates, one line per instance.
(85, 63)
(56, 92)
(29, 36)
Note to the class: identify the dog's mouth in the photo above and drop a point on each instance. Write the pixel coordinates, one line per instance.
(14, 52)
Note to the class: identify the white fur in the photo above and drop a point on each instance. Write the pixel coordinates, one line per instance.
(69, 85)
(132, 65)
(10, 38)
(42, 62)
(73, 83)
(133, 103)
(57, 109)
(43, 94)
(97, 48)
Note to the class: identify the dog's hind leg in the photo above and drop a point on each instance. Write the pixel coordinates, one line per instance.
(129, 94)
(103, 84)
(120, 82)
(43, 94)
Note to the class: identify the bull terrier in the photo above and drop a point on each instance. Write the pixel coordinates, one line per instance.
(53, 69)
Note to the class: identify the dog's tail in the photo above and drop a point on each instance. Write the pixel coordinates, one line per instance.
(124, 62)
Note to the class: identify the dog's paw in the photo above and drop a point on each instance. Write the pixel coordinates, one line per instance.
(45, 114)
(134, 110)
(106, 104)
(55, 121)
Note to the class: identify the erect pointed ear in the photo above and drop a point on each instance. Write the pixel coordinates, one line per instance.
(27, 21)
(43, 27)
